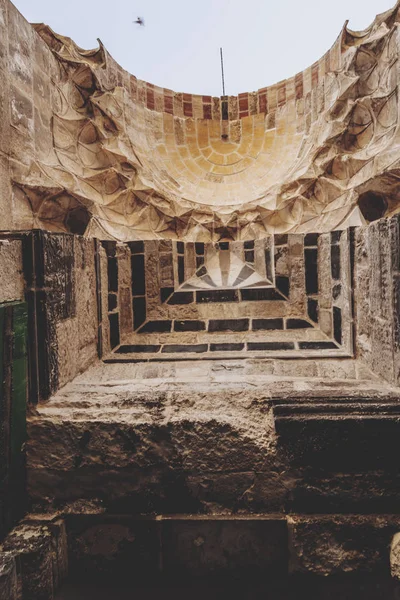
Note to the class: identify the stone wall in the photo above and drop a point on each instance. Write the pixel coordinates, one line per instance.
(108, 275)
(33, 559)
(11, 273)
(376, 297)
(77, 336)
(193, 167)
(13, 403)
(56, 275)
(28, 71)
(281, 294)
(60, 271)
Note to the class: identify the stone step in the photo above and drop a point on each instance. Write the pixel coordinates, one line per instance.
(149, 444)
(122, 547)
(254, 369)
(298, 336)
(367, 408)
(301, 341)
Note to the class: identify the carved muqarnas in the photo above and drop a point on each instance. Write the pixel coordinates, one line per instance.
(130, 160)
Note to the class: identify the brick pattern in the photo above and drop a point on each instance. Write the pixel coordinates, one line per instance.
(245, 104)
(303, 85)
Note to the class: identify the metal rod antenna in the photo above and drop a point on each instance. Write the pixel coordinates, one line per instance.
(222, 71)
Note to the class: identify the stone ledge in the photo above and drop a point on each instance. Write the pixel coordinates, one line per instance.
(340, 434)
(148, 445)
(132, 548)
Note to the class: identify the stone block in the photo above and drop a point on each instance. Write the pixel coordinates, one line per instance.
(60, 551)
(339, 436)
(130, 549)
(21, 112)
(5, 110)
(365, 491)
(395, 556)
(12, 281)
(57, 527)
(126, 314)
(215, 491)
(218, 545)
(337, 369)
(114, 548)
(196, 546)
(33, 545)
(8, 577)
(20, 49)
(340, 544)
(293, 368)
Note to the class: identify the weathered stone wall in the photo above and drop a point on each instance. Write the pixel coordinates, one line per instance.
(228, 167)
(77, 336)
(27, 102)
(56, 275)
(376, 297)
(249, 436)
(11, 275)
(376, 263)
(202, 158)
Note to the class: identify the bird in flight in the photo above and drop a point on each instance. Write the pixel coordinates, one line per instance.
(139, 21)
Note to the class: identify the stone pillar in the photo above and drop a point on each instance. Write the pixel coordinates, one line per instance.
(377, 297)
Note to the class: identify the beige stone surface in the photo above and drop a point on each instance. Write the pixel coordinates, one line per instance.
(92, 143)
(11, 277)
(142, 437)
(77, 336)
(87, 148)
(395, 556)
(27, 101)
(376, 305)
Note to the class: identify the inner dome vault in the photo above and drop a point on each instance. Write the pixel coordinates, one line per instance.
(129, 160)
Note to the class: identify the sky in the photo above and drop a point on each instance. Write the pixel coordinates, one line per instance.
(263, 41)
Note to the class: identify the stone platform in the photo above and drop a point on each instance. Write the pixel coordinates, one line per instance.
(201, 437)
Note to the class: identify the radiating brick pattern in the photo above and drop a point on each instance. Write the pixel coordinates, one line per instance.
(244, 104)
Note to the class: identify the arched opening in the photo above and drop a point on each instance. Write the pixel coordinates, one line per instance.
(373, 206)
(77, 220)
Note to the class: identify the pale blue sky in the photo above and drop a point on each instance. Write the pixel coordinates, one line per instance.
(264, 41)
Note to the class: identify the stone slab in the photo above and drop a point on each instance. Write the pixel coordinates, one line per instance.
(341, 544)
